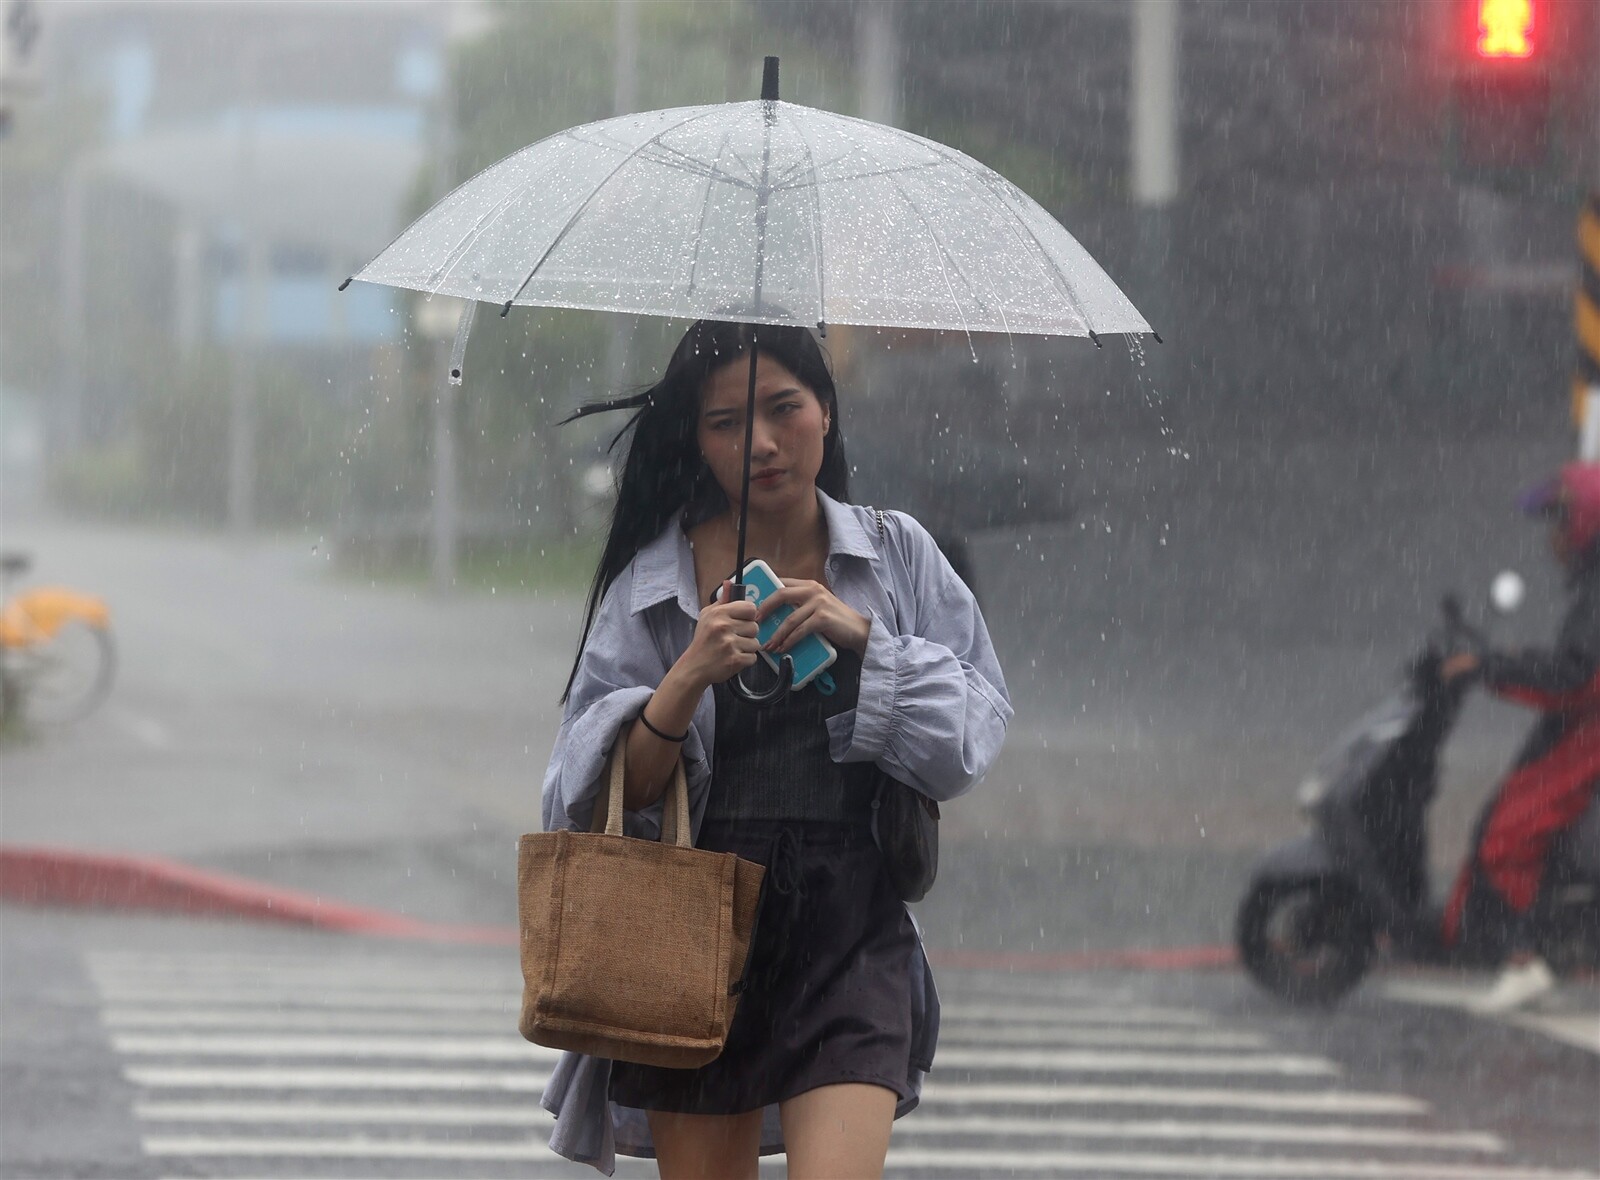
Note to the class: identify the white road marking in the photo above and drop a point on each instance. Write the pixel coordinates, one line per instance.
(460, 1115)
(272, 1018)
(1286, 1101)
(290, 982)
(511, 1048)
(355, 999)
(278, 1019)
(1100, 1163)
(1150, 1163)
(1088, 1061)
(197, 1077)
(1581, 1029)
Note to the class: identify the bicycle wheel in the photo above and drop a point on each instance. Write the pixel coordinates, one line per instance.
(66, 677)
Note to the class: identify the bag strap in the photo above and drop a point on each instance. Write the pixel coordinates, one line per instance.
(608, 807)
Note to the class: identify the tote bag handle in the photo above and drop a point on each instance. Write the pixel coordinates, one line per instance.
(608, 807)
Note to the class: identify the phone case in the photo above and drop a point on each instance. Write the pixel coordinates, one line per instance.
(811, 655)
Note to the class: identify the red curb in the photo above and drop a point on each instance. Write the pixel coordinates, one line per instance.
(110, 881)
(70, 877)
(1180, 958)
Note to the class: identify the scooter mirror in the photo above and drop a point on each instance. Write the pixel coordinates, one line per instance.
(1506, 592)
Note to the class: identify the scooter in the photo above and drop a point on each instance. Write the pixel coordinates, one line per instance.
(1318, 909)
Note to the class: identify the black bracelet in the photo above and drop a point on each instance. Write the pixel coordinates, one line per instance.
(666, 737)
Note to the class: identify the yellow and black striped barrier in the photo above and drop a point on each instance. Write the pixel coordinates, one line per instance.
(1586, 308)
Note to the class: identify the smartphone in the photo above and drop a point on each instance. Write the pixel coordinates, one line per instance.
(811, 655)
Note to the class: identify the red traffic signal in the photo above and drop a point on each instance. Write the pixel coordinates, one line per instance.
(1501, 93)
(1505, 29)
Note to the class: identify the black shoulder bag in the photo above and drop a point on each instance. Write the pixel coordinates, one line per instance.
(905, 822)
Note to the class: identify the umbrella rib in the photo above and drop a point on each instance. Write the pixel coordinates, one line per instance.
(1021, 227)
(788, 173)
(470, 238)
(687, 163)
(705, 204)
(933, 164)
(431, 208)
(577, 213)
(816, 224)
(940, 253)
(671, 157)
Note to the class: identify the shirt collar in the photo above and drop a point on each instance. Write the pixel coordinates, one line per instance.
(664, 568)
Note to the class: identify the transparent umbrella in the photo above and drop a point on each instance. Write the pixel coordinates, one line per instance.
(762, 212)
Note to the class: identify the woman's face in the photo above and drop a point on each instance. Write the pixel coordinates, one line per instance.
(786, 446)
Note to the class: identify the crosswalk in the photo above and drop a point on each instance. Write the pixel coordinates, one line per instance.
(302, 1067)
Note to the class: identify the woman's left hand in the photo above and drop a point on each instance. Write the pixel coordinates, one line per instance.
(816, 612)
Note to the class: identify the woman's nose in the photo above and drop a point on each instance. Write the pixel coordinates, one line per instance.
(762, 441)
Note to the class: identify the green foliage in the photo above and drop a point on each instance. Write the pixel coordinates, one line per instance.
(173, 462)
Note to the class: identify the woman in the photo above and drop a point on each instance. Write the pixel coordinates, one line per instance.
(831, 1039)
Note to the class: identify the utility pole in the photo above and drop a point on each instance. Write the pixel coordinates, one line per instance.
(444, 532)
(624, 99)
(1153, 155)
(878, 62)
(67, 421)
(249, 336)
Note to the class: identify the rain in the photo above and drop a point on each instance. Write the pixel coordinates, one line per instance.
(1240, 362)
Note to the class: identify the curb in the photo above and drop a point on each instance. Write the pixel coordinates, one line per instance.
(42, 875)
(54, 876)
(1178, 958)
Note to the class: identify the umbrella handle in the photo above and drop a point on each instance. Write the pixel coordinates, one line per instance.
(771, 696)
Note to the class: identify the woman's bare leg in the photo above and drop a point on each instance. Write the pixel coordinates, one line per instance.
(706, 1146)
(838, 1132)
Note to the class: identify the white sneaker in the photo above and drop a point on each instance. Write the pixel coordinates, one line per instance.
(1518, 986)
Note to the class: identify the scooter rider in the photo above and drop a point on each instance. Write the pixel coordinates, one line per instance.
(1556, 773)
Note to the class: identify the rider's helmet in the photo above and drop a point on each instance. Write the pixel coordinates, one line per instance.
(1572, 501)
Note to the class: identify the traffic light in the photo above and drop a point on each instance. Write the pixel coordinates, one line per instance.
(1501, 93)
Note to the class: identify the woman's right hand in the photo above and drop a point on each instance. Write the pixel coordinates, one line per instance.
(725, 641)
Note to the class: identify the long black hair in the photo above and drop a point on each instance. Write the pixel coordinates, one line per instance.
(663, 472)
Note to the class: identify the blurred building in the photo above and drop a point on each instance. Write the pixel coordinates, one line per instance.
(246, 157)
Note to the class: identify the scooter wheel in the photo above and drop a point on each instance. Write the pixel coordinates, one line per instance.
(1307, 942)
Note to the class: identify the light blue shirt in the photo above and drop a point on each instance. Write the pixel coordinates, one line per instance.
(932, 712)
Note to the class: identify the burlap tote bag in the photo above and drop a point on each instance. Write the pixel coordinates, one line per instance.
(633, 949)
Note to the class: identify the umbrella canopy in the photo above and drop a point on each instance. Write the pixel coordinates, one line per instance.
(763, 212)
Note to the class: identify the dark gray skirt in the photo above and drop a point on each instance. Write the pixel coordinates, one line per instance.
(829, 997)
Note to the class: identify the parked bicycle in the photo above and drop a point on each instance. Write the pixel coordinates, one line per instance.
(57, 657)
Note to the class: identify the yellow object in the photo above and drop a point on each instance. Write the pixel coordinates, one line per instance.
(1503, 28)
(34, 616)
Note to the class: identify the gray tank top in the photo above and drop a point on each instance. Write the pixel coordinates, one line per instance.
(771, 762)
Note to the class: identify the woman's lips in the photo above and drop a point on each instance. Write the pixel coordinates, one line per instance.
(769, 475)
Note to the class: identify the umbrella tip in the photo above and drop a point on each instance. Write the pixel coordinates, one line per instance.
(769, 80)
(506, 310)
(1095, 339)
(347, 282)
(1157, 335)
(822, 328)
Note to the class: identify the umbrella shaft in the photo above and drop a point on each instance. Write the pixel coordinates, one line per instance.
(749, 441)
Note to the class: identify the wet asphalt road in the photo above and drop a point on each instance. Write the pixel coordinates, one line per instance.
(373, 744)
(143, 1048)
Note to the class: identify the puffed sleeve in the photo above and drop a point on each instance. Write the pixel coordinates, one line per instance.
(621, 666)
(933, 706)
